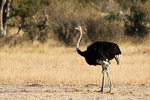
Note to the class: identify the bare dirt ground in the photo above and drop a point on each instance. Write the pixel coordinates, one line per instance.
(86, 92)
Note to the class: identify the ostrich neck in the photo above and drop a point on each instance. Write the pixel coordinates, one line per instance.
(78, 43)
(79, 39)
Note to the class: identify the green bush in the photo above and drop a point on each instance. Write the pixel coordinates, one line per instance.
(137, 21)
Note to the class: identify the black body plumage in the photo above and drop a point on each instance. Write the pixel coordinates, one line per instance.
(100, 51)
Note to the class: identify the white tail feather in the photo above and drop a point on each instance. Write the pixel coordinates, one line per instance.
(118, 58)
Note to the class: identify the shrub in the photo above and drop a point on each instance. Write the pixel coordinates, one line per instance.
(137, 20)
(36, 28)
(66, 16)
(101, 29)
(64, 20)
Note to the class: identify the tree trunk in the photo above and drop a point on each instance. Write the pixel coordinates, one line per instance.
(4, 12)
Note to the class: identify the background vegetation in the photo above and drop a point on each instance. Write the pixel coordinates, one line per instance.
(111, 20)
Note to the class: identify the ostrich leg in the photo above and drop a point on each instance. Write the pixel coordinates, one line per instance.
(109, 81)
(103, 78)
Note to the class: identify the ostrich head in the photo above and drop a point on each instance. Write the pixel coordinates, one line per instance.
(78, 28)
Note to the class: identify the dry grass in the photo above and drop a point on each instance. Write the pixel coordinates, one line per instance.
(63, 66)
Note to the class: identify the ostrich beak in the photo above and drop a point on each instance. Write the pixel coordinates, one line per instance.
(77, 28)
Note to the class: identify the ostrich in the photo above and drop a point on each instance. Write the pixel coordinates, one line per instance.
(100, 53)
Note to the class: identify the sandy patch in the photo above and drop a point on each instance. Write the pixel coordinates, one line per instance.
(86, 92)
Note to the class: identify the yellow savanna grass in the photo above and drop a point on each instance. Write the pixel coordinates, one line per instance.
(47, 65)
